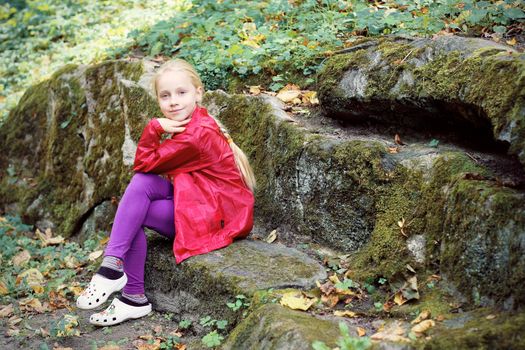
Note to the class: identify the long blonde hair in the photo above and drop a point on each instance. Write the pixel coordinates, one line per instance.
(240, 158)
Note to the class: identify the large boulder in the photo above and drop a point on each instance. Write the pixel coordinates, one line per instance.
(69, 144)
(472, 87)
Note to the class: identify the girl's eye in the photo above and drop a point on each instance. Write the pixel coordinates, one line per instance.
(182, 92)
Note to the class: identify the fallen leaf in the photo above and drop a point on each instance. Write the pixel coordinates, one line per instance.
(57, 300)
(410, 268)
(334, 279)
(271, 237)
(397, 140)
(37, 288)
(389, 337)
(110, 347)
(95, 255)
(440, 318)
(157, 329)
(71, 262)
(61, 348)
(361, 331)
(345, 313)
(3, 288)
(393, 150)
(141, 345)
(399, 299)
(44, 332)
(180, 346)
(511, 42)
(327, 288)
(21, 258)
(47, 238)
(288, 95)
(422, 316)
(11, 332)
(310, 97)
(32, 304)
(297, 301)
(330, 300)
(32, 277)
(146, 337)
(104, 241)
(6, 310)
(423, 326)
(255, 90)
(491, 317)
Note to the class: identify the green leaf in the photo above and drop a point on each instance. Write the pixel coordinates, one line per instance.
(212, 339)
(319, 345)
(157, 48)
(514, 13)
(499, 29)
(433, 143)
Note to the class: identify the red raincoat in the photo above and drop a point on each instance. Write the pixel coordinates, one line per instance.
(212, 204)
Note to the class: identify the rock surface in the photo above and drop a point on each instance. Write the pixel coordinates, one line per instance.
(202, 285)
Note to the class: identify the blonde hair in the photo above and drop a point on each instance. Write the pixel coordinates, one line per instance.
(241, 161)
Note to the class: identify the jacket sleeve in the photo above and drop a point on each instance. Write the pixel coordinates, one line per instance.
(156, 157)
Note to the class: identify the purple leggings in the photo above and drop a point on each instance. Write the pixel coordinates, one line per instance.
(147, 202)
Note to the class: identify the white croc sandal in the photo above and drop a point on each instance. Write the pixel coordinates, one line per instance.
(118, 312)
(99, 290)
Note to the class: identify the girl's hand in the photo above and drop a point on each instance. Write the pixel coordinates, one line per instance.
(173, 126)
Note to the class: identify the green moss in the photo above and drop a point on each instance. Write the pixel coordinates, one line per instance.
(506, 331)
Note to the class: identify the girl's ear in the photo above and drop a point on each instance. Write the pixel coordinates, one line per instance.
(200, 93)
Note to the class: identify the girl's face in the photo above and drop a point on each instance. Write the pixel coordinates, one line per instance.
(177, 96)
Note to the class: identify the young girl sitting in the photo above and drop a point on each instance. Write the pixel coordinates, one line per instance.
(208, 203)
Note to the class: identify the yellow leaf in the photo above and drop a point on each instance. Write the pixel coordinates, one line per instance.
(104, 241)
(71, 262)
(310, 97)
(399, 299)
(422, 316)
(110, 347)
(250, 43)
(21, 258)
(47, 238)
(271, 237)
(361, 331)
(32, 277)
(95, 255)
(77, 290)
(255, 90)
(38, 289)
(334, 279)
(423, 326)
(511, 42)
(296, 101)
(3, 288)
(32, 304)
(6, 311)
(297, 301)
(345, 313)
(288, 95)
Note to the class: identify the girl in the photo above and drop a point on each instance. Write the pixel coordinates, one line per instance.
(207, 205)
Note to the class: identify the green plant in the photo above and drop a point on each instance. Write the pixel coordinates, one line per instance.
(185, 324)
(170, 343)
(212, 339)
(240, 302)
(346, 341)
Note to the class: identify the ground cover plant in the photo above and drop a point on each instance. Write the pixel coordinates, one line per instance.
(279, 41)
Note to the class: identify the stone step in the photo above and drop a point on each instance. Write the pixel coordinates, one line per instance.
(202, 285)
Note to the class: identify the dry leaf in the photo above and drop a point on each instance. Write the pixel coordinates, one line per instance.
(47, 238)
(393, 150)
(288, 95)
(389, 337)
(57, 300)
(3, 288)
(271, 237)
(11, 332)
(32, 304)
(95, 255)
(37, 288)
(330, 300)
(61, 348)
(21, 258)
(6, 310)
(157, 329)
(334, 279)
(255, 90)
(180, 346)
(423, 326)
(361, 331)
(32, 277)
(44, 332)
(490, 317)
(141, 345)
(104, 240)
(310, 97)
(327, 288)
(440, 318)
(71, 262)
(14, 320)
(422, 316)
(399, 299)
(297, 301)
(511, 42)
(110, 347)
(345, 313)
(397, 140)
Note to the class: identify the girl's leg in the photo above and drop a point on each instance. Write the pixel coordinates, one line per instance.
(133, 208)
(159, 218)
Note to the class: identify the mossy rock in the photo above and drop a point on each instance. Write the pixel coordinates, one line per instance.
(471, 87)
(204, 284)
(275, 327)
(69, 144)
